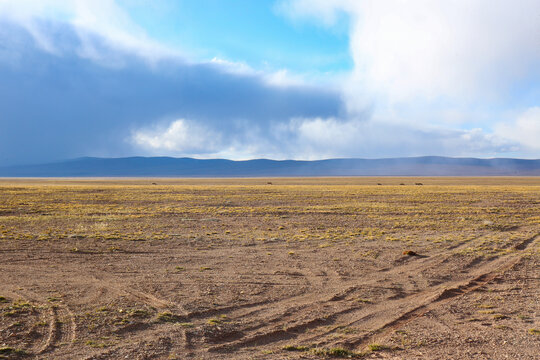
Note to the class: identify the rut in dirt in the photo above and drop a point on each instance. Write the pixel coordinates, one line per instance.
(374, 317)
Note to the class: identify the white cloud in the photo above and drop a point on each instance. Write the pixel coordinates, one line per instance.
(317, 138)
(464, 49)
(180, 137)
(104, 22)
(279, 78)
(232, 67)
(93, 20)
(525, 130)
(429, 71)
(284, 78)
(183, 137)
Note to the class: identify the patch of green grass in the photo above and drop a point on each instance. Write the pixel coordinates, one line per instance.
(525, 318)
(365, 301)
(141, 313)
(534, 331)
(3, 299)
(295, 348)
(376, 347)
(485, 306)
(347, 330)
(18, 308)
(18, 305)
(217, 320)
(168, 317)
(7, 350)
(205, 268)
(500, 317)
(486, 311)
(97, 345)
(336, 353)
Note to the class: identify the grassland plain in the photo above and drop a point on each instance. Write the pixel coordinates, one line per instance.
(270, 268)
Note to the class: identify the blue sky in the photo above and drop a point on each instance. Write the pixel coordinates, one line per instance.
(282, 79)
(254, 32)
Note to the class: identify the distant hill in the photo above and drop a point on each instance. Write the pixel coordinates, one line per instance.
(188, 167)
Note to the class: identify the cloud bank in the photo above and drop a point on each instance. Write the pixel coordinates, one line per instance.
(428, 49)
(80, 78)
(62, 106)
(459, 65)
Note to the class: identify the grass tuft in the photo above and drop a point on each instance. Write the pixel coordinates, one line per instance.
(167, 317)
(295, 348)
(9, 351)
(377, 347)
(336, 353)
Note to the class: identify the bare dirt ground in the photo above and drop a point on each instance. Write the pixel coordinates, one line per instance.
(270, 268)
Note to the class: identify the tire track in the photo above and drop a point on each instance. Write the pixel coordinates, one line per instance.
(104, 283)
(62, 329)
(487, 273)
(373, 315)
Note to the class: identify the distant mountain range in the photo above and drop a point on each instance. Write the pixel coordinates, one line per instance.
(188, 167)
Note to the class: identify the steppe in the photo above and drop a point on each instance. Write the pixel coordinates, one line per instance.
(281, 268)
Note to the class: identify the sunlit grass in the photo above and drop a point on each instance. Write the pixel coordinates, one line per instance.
(490, 218)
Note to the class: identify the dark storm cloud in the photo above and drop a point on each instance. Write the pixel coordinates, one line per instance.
(59, 104)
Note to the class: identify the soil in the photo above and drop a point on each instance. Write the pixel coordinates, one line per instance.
(270, 268)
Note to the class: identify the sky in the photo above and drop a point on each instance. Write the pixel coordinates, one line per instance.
(278, 79)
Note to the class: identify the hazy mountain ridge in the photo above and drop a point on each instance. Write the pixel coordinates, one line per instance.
(189, 167)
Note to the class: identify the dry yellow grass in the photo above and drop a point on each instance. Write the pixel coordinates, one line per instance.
(106, 259)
